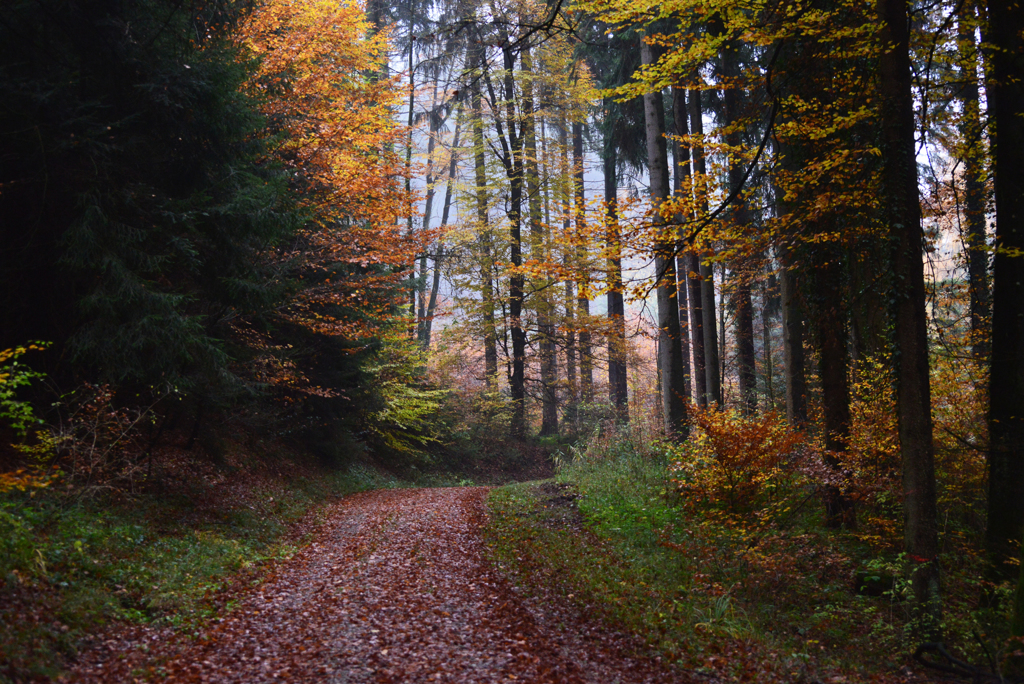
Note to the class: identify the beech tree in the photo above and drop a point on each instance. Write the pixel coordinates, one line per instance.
(670, 356)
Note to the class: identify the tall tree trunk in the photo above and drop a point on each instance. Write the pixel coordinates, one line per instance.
(408, 162)
(516, 282)
(428, 212)
(681, 183)
(771, 308)
(487, 301)
(722, 357)
(973, 158)
(713, 388)
(583, 266)
(694, 287)
(827, 268)
(769, 293)
(830, 318)
(746, 360)
(673, 391)
(793, 349)
(439, 253)
(568, 257)
(914, 392)
(1006, 384)
(617, 378)
(741, 297)
(688, 263)
(482, 212)
(540, 251)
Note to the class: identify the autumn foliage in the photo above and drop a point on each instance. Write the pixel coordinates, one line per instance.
(737, 467)
(331, 114)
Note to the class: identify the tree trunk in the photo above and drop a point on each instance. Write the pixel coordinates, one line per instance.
(903, 209)
(746, 360)
(793, 350)
(572, 401)
(439, 254)
(830, 324)
(722, 357)
(713, 386)
(771, 307)
(688, 263)
(516, 282)
(583, 266)
(680, 180)
(1006, 384)
(673, 391)
(870, 274)
(617, 379)
(542, 303)
(428, 211)
(741, 299)
(973, 158)
(487, 259)
(694, 283)
(408, 163)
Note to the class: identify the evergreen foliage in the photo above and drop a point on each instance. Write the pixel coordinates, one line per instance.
(135, 183)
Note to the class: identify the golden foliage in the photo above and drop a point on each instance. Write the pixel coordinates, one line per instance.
(318, 77)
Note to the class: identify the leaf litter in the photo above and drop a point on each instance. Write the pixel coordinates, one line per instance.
(395, 587)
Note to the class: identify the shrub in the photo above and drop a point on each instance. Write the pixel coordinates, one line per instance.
(13, 375)
(736, 465)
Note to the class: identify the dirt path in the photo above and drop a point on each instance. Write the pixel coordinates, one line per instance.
(394, 589)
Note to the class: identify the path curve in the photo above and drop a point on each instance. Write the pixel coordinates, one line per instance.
(395, 588)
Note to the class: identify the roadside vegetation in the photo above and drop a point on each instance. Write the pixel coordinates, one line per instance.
(73, 563)
(717, 553)
(114, 518)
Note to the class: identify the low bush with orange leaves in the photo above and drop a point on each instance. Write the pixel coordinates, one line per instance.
(739, 466)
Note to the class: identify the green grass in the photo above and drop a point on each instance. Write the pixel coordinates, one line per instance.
(69, 567)
(715, 596)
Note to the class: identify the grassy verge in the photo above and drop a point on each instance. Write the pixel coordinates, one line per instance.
(771, 604)
(69, 566)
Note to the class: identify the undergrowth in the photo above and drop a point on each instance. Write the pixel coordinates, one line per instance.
(726, 566)
(71, 565)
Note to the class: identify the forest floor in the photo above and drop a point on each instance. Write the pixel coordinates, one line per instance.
(395, 586)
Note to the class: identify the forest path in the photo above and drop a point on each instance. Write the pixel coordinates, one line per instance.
(395, 588)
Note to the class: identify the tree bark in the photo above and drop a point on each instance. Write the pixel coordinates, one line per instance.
(973, 158)
(746, 360)
(408, 162)
(673, 391)
(509, 133)
(549, 409)
(516, 282)
(572, 400)
(680, 180)
(903, 209)
(617, 378)
(1006, 384)
(793, 350)
(830, 325)
(741, 299)
(428, 211)
(582, 264)
(542, 288)
(713, 387)
(688, 263)
(435, 285)
(482, 211)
